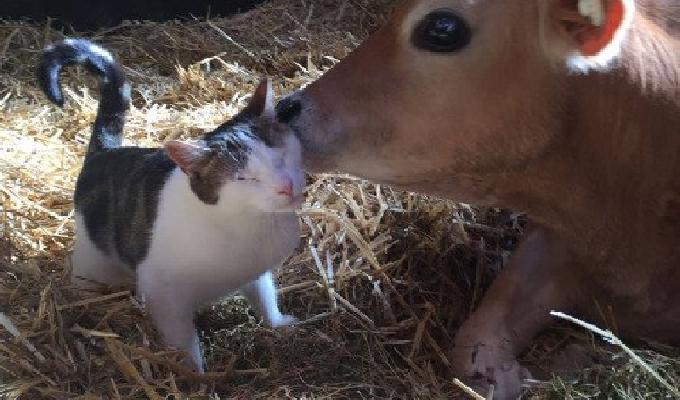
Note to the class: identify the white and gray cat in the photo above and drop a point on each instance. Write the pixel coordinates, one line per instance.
(190, 222)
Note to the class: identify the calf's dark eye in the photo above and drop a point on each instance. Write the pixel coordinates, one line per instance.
(441, 31)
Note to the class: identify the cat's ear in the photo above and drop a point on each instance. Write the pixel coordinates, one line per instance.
(187, 155)
(262, 102)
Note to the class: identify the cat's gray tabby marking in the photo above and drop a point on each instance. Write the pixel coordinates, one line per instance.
(117, 195)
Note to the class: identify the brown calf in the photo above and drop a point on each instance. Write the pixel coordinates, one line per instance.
(566, 109)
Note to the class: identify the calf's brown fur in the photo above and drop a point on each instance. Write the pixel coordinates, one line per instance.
(593, 156)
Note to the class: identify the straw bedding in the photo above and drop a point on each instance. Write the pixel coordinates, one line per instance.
(381, 278)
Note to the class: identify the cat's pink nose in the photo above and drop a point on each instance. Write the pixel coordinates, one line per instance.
(286, 189)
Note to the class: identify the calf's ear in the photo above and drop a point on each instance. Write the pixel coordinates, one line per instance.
(585, 34)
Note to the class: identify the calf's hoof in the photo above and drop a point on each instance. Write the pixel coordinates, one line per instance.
(482, 369)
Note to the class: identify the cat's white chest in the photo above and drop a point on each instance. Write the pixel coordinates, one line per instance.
(242, 247)
(209, 257)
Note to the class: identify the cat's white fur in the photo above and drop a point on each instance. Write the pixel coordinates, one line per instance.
(200, 253)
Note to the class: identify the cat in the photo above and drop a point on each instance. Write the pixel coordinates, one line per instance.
(190, 222)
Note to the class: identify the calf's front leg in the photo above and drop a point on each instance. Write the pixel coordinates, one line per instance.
(539, 278)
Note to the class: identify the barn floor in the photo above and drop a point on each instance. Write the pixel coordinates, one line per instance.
(381, 278)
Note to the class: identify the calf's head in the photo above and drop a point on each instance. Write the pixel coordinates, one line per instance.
(453, 88)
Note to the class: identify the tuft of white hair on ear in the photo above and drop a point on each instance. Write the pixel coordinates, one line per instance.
(593, 9)
(604, 59)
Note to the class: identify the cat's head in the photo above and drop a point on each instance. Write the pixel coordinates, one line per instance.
(250, 163)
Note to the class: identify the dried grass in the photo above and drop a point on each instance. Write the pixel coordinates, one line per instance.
(381, 279)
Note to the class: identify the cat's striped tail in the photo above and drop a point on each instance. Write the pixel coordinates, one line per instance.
(114, 101)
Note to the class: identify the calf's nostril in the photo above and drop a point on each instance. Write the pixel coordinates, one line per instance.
(288, 109)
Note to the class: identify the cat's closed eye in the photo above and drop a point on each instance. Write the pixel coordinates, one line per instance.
(245, 178)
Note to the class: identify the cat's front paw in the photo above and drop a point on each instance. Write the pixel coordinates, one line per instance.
(283, 320)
